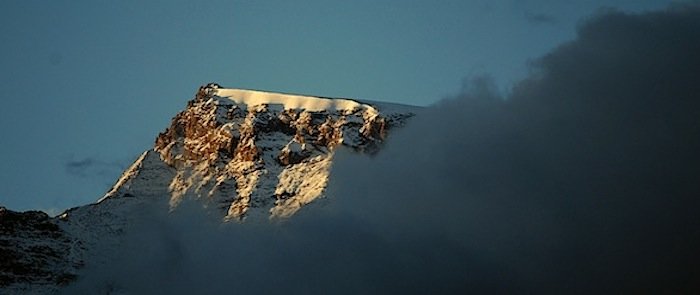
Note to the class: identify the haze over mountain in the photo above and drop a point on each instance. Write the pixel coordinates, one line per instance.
(581, 180)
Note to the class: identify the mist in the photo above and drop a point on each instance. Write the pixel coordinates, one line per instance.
(583, 179)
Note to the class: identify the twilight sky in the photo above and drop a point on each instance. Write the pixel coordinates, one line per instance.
(88, 85)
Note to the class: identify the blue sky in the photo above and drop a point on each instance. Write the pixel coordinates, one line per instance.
(87, 85)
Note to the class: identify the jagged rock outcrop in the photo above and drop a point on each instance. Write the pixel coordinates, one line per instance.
(243, 150)
(33, 249)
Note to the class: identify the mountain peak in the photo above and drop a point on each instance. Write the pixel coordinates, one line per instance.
(255, 153)
(243, 153)
(291, 101)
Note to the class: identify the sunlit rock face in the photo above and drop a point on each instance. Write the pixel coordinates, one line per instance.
(260, 154)
(246, 154)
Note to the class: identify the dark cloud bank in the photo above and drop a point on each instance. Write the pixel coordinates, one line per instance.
(584, 180)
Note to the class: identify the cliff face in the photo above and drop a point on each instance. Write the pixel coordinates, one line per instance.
(255, 153)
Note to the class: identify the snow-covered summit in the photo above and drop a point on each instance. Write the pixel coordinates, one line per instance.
(245, 154)
(292, 101)
(256, 153)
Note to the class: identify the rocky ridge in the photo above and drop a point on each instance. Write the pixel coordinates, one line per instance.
(33, 250)
(243, 153)
(254, 153)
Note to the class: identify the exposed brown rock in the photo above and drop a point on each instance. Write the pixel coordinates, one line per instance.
(232, 140)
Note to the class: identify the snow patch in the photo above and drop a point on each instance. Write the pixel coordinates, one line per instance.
(252, 98)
